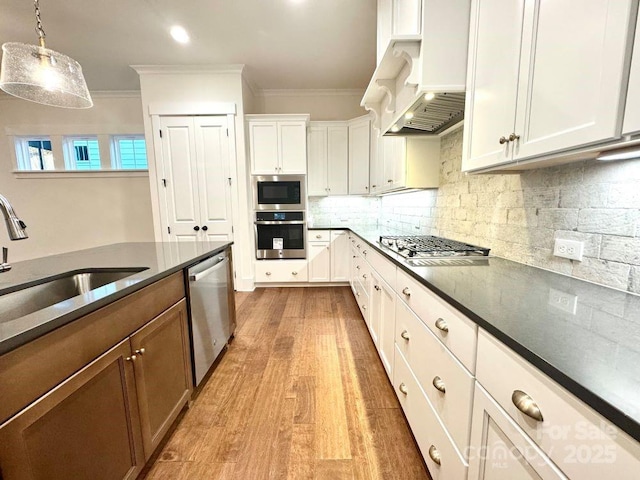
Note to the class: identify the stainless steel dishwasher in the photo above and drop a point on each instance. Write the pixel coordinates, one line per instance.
(212, 311)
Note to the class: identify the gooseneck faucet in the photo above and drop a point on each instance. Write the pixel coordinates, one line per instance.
(15, 227)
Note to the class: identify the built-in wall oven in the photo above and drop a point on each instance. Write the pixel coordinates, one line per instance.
(280, 234)
(279, 192)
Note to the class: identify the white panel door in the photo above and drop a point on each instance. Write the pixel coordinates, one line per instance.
(317, 162)
(359, 148)
(181, 177)
(214, 177)
(387, 326)
(263, 139)
(337, 159)
(571, 75)
(319, 262)
(632, 111)
(340, 256)
(492, 81)
(292, 147)
(406, 17)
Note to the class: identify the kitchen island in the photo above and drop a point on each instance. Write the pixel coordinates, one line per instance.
(99, 378)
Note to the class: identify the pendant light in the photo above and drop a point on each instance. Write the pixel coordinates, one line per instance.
(41, 75)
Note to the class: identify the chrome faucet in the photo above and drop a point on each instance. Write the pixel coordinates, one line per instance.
(15, 227)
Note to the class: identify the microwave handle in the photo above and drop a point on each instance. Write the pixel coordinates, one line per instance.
(279, 222)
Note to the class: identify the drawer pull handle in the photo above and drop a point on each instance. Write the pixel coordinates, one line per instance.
(140, 351)
(358, 246)
(294, 273)
(376, 287)
(439, 384)
(268, 274)
(441, 324)
(435, 455)
(403, 388)
(364, 275)
(364, 307)
(406, 291)
(357, 267)
(405, 335)
(358, 294)
(364, 252)
(318, 236)
(526, 405)
(132, 358)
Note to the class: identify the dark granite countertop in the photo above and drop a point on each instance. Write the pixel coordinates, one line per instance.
(584, 336)
(159, 260)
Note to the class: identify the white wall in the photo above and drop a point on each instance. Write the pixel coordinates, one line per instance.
(65, 214)
(320, 104)
(197, 85)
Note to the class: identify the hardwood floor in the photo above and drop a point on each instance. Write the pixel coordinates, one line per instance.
(300, 394)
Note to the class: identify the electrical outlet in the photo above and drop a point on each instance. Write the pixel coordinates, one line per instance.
(566, 302)
(571, 249)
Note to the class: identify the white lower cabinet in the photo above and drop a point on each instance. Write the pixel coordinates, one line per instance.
(442, 459)
(387, 326)
(500, 450)
(340, 256)
(281, 271)
(329, 256)
(319, 254)
(444, 380)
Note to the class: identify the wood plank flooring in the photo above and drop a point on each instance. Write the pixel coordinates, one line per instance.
(300, 394)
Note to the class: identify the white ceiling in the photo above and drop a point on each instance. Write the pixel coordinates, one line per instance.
(286, 44)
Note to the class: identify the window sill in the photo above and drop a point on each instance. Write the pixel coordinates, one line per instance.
(31, 174)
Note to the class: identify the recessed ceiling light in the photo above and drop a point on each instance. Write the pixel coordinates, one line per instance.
(395, 128)
(408, 115)
(179, 34)
(429, 96)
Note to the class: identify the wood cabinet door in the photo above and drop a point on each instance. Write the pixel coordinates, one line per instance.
(632, 111)
(338, 147)
(163, 372)
(492, 81)
(359, 155)
(500, 450)
(263, 146)
(292, 147)
(85, 428)
(317, 161)
(572, 71)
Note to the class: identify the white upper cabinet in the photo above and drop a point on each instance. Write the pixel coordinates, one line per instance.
(328, 145)
(543, 77)
(278, 144)
(632, 111)
(359, 155)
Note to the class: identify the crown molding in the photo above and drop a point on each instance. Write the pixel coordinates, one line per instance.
(236, 68)
(115, 94)
(317, 92)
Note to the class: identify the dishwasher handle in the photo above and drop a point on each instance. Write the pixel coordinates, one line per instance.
(200, 275)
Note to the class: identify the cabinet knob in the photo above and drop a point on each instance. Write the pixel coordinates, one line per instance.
(438, 384)
(318, 236)
(268, 274)
(513, 137)
(357, 267)
(366, 188)
(435, 455)
(294, 273)
(403, 388)
(406, 291)
(441, 324)
(405, 335)
(132, 358)
(376, 287)
(364, 276)
(140, 351)
(196, 228)
(390, 181)
(205, 228)
(503, 140)
(526, 405)
(364, 252)
(364, 307)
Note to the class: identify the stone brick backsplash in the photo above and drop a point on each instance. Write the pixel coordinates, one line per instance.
(520, 215)
(343, 211)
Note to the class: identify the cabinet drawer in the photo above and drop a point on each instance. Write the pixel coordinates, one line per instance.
(385, 268)
(319, 235)
(425, 426)
(450, 326)
(580, 441)
(436, 368)
(277, 271)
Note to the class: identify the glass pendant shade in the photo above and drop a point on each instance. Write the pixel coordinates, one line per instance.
(43, 76)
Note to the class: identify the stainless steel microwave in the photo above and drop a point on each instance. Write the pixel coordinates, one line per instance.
(279, 192)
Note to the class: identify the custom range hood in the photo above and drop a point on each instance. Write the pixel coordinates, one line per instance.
(418, 86)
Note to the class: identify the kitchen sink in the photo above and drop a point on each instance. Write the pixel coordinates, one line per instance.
(49, 291)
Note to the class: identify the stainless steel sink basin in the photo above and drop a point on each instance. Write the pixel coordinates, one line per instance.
(52, 290)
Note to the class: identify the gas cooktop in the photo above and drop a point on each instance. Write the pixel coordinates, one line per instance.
(427, 250)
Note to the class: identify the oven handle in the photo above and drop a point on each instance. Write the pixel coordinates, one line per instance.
(279, 222)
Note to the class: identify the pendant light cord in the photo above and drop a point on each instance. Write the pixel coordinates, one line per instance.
(39, 29)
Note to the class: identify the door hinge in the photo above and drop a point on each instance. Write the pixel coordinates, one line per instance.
(160, 133)
(164, 182)
(169, 230)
